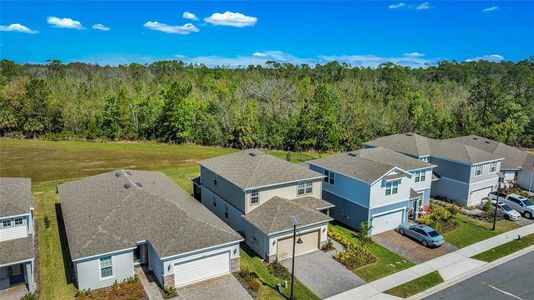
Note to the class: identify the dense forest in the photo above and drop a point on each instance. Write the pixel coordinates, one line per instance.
(296, 107)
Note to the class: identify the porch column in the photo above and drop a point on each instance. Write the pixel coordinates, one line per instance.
(28, 275)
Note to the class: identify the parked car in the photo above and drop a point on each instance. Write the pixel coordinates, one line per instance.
(506, 211)
(424, 234)
(521, 204)
(497, 196)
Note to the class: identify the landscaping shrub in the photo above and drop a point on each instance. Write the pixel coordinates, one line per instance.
(363, 234)
(355, 254)
(441, 218)
(130, 288)
(169, 292)
(328, 245)
(29, 296)
(278, 270)
(46, 221)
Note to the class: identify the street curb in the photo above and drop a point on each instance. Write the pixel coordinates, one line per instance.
(472, 273)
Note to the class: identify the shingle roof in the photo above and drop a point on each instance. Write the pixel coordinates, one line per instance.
(369, 164)
(417, 145)
(273, 215)
(16, 250)
(313, 203)
(102, 215)
(514, 158)
(15, 196)
(253, 168)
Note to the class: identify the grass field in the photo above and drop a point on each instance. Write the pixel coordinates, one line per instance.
(505, 249)
(472, 231)
(416, 286)
(386, 263)
(49, 163)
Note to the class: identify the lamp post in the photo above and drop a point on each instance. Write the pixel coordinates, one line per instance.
(501, 178)
(295, 220)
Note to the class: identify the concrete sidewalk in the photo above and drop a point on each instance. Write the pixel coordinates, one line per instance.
(450, 266)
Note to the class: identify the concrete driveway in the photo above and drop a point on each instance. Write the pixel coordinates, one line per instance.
(410, 249)
(322, 274)
(224, 287)
(13, 293)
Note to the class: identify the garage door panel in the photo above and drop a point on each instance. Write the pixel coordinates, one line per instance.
(477, 196)
(387, 222)
(310, 242)
(201, 269)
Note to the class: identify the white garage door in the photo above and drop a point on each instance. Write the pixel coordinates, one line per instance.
(201, 269)
(386, 222)
(477, 196)
(310, 242)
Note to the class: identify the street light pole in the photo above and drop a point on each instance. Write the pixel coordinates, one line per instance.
(293, 262)
(496, 203)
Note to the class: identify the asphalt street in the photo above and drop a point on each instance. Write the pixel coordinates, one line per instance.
(512, 280)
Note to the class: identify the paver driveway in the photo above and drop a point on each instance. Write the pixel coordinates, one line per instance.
(224, 287)
(410, 249)
(322, 274)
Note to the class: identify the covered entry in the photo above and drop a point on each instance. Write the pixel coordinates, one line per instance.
(201, 269)
(310, 242)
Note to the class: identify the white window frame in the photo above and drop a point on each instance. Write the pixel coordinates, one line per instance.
(15, 220)
(425, 159)
(332, 178)
(420, 199)
(493, 167)
(10, 223)
(478, 168)
(392, 187)
(309, 187)
(304, 187)
(417, 176)
(100, 267)
(254, 194)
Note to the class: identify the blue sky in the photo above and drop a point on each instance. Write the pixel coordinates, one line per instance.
(240, 33)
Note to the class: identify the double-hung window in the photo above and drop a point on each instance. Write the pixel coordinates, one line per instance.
(392, 187)
(305, 187)
(330, 177)
(493, 167)
(7, 223)
(420, 176)
(254, 197)
(309, 186)
(106, 267)
(478, 170)
(300, 189)
(18, 221)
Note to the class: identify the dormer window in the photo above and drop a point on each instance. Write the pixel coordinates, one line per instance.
(254, 197)
(425, 159)
(6, 223)
(392, 187)
(305, 187)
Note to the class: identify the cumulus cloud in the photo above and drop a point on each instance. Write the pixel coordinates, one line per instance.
(189, 16)
(184, 29)
(233, 19)
(490, 9)
(16, 27)
(490, 58)
(414, 54)
(260, 54)
(101, 27)
(424, 5)
(398, 5)
(64, 23)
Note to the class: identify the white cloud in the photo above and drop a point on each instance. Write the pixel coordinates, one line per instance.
(64, 23)
(398, 5)
(260, 54)
(374, 61)
(414, 54)
(16, 27)
(490, 58)
(424, 5)
(101, 27)
(189, 16)
(233, 19)
(490, 9)
(184, 29)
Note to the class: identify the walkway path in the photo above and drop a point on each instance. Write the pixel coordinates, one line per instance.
(149, 284)
(450, 266)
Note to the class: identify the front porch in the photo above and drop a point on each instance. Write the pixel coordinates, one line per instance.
(16, 280)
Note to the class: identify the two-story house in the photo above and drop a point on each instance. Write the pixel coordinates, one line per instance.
(257, 194)
(16, 233)
(377, 186)
(517, 166)
(463, 173)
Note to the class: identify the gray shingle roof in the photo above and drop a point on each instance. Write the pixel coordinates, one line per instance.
(273, 215)
(417, 145)
(313, 203)
(253, 168)
(369, 164)
(16, 250)
(514, 158)
(15, 196)
(102, 215)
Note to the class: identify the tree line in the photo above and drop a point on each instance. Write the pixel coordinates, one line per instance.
(279, 106)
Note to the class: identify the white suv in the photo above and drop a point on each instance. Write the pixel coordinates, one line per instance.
(521, 204)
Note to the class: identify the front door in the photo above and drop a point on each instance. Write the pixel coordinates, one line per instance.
(413, 209)
(140, 254)
(16, 274)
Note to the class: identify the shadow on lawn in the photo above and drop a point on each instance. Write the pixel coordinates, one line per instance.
(65, 251)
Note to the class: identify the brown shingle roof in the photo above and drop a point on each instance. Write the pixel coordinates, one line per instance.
(102, 215)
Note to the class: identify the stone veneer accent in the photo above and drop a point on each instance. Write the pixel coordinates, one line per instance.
(168, 280)
(235, 265)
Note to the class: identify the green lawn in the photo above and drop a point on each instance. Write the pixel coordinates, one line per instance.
(505, 249)
(49, 163)
(471, 231)
(416, 286)
(386, 263)
(267, 291)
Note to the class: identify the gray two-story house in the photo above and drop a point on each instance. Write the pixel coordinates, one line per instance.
(16, 233)
(256, 194)
(378, 186)
(463, 173)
